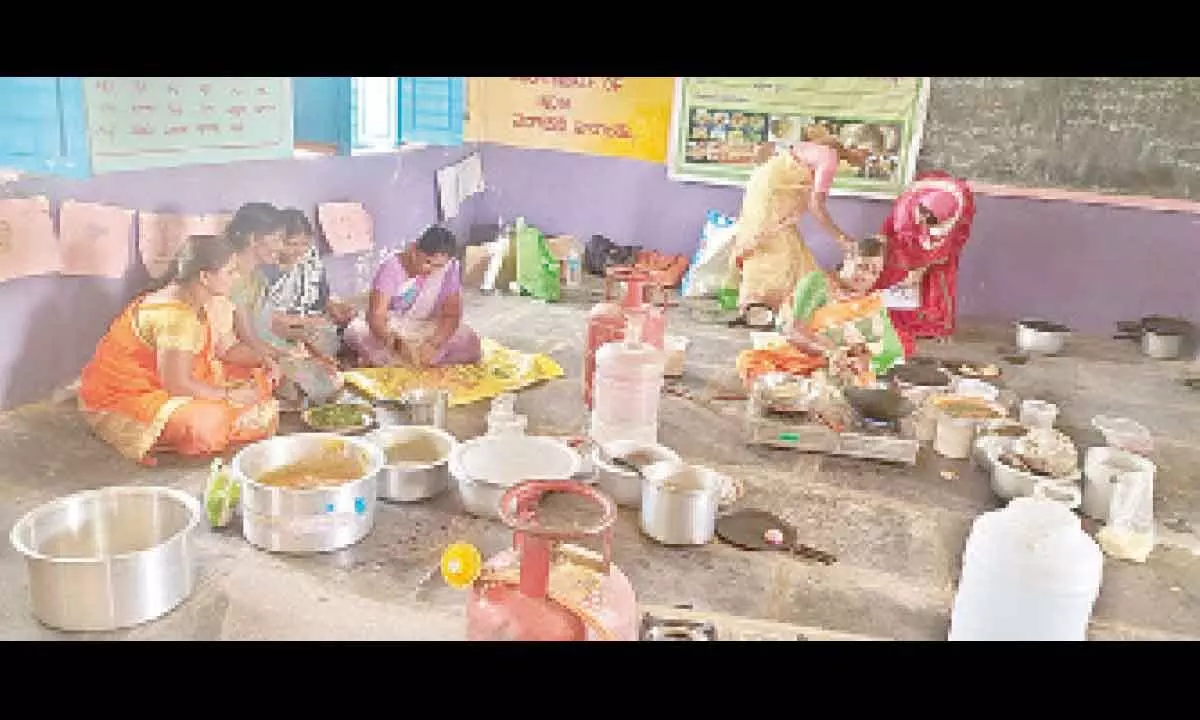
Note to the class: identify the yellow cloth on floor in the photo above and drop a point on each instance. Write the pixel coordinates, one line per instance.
(501, 370)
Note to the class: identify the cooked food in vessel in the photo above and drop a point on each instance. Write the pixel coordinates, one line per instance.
(338, 416)
(966, 408)
(335, 465)
(418, 449)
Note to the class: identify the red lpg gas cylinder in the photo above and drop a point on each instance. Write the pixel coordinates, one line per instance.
(607, 320)
(545, 589)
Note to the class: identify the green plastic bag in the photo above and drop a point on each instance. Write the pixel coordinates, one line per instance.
(538, 271)
(221, 494)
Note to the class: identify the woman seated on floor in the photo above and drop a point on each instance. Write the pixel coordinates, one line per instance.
(415, 312)
(838, 322)
(157, 383)
(298, 291)
(256, 233)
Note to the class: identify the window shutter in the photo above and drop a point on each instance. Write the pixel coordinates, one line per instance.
(431, 110)
(323, 111)
(43, 126)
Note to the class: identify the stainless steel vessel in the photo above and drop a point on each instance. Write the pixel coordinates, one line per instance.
(109, 558)
(413, 482)
(1041, 337)
(288, 520)
(680, 503)
(618, 480)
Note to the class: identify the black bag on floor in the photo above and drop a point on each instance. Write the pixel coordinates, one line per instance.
(600, 253)
(595, 254)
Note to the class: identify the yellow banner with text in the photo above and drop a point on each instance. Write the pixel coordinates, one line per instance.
(625, 117)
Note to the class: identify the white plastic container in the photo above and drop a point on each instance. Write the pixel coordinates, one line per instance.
(970, 387)
(627, 389)
(1030, 572)
(677, 346)
(1103, 467)
(954, 437)
(1038, 414)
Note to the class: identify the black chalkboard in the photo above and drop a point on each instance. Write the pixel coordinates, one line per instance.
(1124, 136)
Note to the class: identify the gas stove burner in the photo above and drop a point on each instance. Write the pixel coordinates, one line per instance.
(664, 629)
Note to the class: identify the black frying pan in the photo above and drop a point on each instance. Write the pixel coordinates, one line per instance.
(747, 529)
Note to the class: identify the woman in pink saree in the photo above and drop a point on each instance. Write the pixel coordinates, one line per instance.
(926, 231)
(414, 315)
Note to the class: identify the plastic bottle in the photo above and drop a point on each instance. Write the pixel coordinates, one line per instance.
(1030, 572)
(628, 387)
(607, 320)
(574, 267)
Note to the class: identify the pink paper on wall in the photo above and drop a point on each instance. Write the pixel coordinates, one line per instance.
(161, 234)
(94, 239)
(348, 227)
(28, 245)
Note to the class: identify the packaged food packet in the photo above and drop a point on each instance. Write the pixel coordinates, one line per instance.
(221, 494)
(1129, 534)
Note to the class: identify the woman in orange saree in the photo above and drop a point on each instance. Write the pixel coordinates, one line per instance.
(155, 382)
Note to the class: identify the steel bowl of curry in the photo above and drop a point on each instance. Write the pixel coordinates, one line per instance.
(308, 493)
(416, 461)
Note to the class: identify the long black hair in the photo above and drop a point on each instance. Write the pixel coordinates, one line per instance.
(437, 240)
(199, 253)
(295, 223)
(251, 220)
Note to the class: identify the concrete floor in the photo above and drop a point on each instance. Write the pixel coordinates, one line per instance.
(898, 532)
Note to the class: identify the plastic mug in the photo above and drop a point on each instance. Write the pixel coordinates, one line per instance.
(1038, 414)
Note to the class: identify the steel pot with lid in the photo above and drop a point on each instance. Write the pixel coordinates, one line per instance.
(1162, 338)
(1041, 337)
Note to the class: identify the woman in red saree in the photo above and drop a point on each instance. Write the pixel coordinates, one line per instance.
(926, 231)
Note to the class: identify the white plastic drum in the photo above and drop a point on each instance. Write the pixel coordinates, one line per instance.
(1029, 572)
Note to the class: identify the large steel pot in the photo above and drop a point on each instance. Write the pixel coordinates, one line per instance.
(680, 503)
(413, 482)
(109, 558)
(1041, 337)
(286, 520)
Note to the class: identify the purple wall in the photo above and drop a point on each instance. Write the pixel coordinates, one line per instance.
(52, 323)
(1085, 265)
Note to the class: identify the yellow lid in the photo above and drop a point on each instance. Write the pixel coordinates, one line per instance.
(461, 564)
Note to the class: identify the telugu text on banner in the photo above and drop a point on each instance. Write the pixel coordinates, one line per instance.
(625, 117)
(722, 125)
(136, 123)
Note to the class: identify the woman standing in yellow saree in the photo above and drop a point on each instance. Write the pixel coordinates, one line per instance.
(769, 250)
(157, 381)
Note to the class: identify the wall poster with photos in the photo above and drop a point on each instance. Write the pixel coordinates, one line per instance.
(723, 126)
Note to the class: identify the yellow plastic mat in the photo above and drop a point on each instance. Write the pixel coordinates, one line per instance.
(501, 370)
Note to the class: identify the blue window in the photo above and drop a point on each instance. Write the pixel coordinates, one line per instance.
(43, 127)
(431, 110)
(320, 110)
(390, 111)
